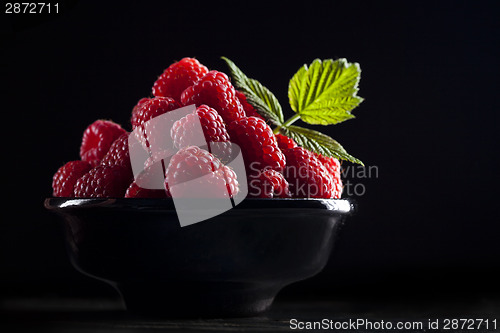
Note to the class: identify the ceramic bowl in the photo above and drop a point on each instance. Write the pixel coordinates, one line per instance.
(233, 264)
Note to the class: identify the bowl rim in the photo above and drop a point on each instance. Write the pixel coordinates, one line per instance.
(66, 204)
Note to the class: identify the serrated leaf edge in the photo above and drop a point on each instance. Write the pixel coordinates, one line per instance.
(335, 149)
(267, 105)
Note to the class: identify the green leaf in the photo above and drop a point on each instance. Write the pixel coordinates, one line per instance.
(325, 92)
(318, 142)
(260, 97)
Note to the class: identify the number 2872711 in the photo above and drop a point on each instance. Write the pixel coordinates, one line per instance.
(31, 8)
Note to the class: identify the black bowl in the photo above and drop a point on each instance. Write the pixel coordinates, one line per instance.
(233, 264)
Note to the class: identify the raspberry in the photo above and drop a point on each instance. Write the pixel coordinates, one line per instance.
(190, 163)
(66, 176)
(184, 131)
(97, 139)
(333, 166)
(269, 184)
(331, 163)
(103, 181)
(215, 90)
(151, 108)
(258, 145)
(147, 134)
(157, 156)
(118, 153)
(195, 172)
(135, 191)
(307, 176)
(177, 77)
(285, 142)
(139, 105)
(231, 180)
(249, 109)
(152, 177)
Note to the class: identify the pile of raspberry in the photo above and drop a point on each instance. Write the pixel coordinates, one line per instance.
(276, 167)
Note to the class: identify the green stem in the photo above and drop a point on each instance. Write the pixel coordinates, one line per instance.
(287, 123)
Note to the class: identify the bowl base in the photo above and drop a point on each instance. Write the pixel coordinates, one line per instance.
(197, 300)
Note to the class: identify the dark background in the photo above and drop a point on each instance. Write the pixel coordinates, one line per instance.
(427, 225)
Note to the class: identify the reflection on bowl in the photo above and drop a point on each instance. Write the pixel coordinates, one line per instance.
(233, 264)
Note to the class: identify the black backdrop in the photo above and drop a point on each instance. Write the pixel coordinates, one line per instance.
(428, 221)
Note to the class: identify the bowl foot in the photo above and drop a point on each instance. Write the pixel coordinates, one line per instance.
(197, 300)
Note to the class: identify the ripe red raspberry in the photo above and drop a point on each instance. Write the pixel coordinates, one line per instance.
(103, 181)
(139, 105)
(66, 176)
(307, 176)
(148, 133)
(333, 166)
(331, 163)
(231, 180)
(118, 153)
(190, 163)
(285, 142)
(215, 90)
(151, 108)
(177, 77)
(258, 145)
(150, 181)
(158, 156)
(185, 130)
(194, 172)
(249, 109)
(269, 184)
(140, 102)
(135, 191)
(97, 139)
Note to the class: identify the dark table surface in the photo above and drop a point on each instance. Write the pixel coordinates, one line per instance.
(107, 315)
